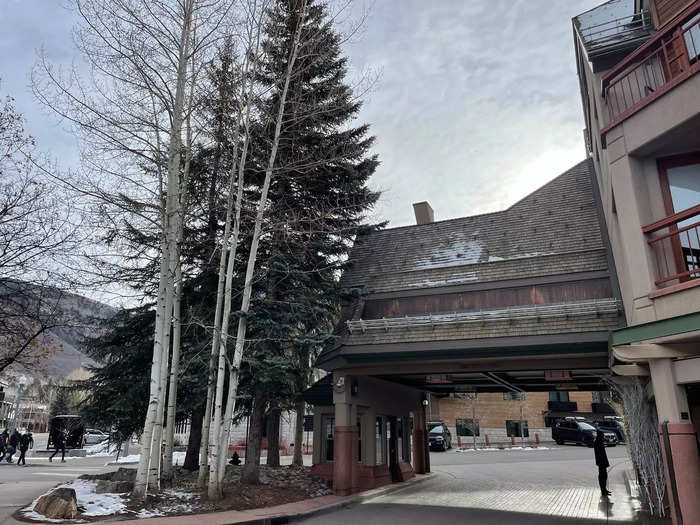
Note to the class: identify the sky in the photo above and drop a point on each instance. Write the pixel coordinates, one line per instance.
(475, 103)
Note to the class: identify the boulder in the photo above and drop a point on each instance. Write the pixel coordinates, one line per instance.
(124, 474)
(59, 504)
(117, 487)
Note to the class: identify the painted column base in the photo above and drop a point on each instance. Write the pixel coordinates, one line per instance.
(686, 464)
(343, 463)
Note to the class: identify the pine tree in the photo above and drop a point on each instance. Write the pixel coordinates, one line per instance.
(318, 199)
(62, 403)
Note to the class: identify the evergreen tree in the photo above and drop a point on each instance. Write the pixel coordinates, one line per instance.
(318, 198)
(62, 403)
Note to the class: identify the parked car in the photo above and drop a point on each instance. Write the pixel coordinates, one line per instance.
(93, 436)
(614, 425)
(440, 438)
(573, 431)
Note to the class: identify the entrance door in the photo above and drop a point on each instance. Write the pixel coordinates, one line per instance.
(393, 449)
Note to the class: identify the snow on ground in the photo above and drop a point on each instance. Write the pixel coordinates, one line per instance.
(178, 458)
(89, 502)
(173, 501)
(493, 449)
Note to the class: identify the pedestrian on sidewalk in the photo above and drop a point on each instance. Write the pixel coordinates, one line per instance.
(601, 459)
(3, 443)
(26, 441)
(59, 443)
(14, 443)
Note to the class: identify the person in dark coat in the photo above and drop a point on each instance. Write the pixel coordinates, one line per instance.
(601, 459)
(3, 443)
(14, 443)
(59, 443)
(26, 441)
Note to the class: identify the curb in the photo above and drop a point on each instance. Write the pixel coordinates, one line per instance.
(353, 500)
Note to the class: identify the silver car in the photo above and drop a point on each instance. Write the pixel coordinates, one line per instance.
(93, 436)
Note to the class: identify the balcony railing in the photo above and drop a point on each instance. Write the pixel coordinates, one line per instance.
(677, 252)
(620, 30)
(655, 68)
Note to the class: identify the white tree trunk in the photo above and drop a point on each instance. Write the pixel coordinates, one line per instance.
(153, 425)
(260, 212)
(141, 481)
(219, 438)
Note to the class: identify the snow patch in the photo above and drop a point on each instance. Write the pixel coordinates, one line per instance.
(459, 249)
(446, 282)
(493, 449)
(89, 502)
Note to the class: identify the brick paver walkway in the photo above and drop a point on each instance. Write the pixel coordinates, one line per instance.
(552, 487)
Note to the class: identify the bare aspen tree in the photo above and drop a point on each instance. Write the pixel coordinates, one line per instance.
(260, 212)
(128, 110)
(221, 422)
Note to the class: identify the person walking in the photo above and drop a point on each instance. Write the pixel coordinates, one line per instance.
(14, 443)
(59, 443)
(601, 459)
(26, 441)
(3, 443)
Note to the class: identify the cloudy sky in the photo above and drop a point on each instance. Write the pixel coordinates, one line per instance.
(475, 106)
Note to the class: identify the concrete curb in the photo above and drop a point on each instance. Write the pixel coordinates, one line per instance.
(352, 500)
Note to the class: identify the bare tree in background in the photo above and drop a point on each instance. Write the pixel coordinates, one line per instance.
(129, 110)
(37, 232)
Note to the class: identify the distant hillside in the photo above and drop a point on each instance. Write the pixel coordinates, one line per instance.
(81, 318)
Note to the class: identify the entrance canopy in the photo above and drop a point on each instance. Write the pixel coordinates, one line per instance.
(518, 300)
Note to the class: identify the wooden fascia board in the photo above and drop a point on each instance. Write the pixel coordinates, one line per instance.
(492, 285)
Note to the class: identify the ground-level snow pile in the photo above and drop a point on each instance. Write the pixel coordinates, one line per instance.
(170, 502)
(88, 503)
(503, 449)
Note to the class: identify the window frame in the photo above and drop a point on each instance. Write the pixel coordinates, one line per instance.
(663, 165)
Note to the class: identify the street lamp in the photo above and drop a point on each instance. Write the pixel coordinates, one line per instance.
(21, 383)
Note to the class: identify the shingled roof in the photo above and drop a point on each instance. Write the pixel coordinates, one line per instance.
(435, 276)
(553, 230)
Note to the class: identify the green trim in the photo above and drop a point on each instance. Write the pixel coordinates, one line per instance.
(469, 354)
(655, 329)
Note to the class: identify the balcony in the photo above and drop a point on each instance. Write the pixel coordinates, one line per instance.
(677, 251)
(655, 68)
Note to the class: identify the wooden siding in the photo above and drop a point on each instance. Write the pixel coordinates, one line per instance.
(488, 299)
(663, 11)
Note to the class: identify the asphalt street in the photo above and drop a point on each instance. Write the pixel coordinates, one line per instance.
(547, 487)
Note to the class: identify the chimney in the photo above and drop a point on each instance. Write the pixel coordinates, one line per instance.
(424, 213)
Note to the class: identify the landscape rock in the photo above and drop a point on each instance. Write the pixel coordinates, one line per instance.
(124, 474)
(116, 487)
(60, 503)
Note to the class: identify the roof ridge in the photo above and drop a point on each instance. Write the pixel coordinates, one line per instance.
(407, 226)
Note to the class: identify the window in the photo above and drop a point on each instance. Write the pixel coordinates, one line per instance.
(308, 423)
(513, 428)
(379, 445)
(359, 439)
(399, 439)
(467, 427)
(329, 434)
(680, 188)
(559, 396)
(513, 396)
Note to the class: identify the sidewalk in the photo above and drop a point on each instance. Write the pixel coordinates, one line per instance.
(288, 511)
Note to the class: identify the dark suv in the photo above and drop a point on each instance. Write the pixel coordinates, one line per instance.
(572, 431)
(440, 438)
(612, 425)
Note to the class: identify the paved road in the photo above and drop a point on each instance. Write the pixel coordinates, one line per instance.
(19, 485)
(548, 487)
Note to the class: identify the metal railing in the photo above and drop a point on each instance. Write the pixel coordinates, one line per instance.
(614, 31)
(653, 69)
(595, 307)
(677, 252)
